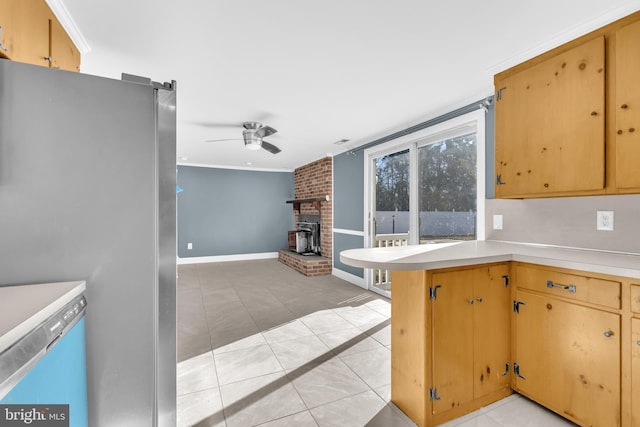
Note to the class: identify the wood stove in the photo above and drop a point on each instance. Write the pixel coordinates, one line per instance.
(308, 235)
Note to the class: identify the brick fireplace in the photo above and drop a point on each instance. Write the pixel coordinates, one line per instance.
(312, 184)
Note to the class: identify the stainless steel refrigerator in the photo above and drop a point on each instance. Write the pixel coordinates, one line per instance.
(88, 192)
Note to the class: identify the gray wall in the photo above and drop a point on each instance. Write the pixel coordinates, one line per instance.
(78, 201)
(348, 206)
(232, 212)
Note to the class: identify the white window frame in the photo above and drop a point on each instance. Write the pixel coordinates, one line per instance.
(458, 126)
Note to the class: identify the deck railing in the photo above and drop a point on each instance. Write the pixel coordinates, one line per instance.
(382, 278)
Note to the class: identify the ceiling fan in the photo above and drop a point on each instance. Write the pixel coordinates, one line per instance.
(252, 135)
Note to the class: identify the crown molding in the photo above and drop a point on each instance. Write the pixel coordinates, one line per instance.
(66, 20)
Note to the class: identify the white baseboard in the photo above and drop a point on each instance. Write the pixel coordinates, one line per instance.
(226, 258)
(351, 278)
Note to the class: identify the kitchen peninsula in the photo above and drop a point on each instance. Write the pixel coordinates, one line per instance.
(471, 322)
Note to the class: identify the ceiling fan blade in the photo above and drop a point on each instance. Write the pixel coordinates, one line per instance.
(216, 125)
(265, 131)
(270, 147)
(220, 140)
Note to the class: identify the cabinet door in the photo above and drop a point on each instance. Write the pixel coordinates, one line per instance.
(31, 32)
(64, 54)
(453, 339)
(549, 135)
(635, 372)
(575, 368)
(491, 329)
(6, 28)
(627, 107)
(533, 357)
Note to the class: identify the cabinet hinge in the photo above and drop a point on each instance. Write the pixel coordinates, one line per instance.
(516, 306)
(506, 280)
(506, 369)
(499, 93)
(433, 291)
(433, 394)
(2, 47)
(516, 370)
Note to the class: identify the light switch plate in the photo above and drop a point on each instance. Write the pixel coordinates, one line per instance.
(497, 222)
(604, 220)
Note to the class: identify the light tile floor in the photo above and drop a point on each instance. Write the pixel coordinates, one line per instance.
(262, 345)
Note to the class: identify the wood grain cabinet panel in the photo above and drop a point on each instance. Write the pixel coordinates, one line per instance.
(550, 121)
(635, 372)
(566, 354)
(570, 286)
(627, 106)
(448, 355)
(64, 54)
(6, 28)
(568, 359)
(35, 36)
(470, 335)
(31, 32)
(635, 298)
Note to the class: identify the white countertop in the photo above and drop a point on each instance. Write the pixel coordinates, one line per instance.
(456, 254)
(24, 307)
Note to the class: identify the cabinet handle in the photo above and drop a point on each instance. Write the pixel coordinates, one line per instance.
(624, 106)
(48, 58)
(570, 288)
(479, 299)
(609, 333)
(638, 342)
(470, 301)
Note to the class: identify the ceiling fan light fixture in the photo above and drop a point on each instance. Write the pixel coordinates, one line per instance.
(251, 141)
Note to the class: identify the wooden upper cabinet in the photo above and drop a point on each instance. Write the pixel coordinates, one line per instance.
(31, 32)
(64, 53)
(627, 107)
(35, 36)
(550, 125)
(6, 28)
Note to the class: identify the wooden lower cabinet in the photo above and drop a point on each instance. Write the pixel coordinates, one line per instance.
(567, 357)
(449, 346)
(470, 336)
(635, 372)
(464, 337)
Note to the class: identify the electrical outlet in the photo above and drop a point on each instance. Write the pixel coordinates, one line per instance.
(604, 220)
(497, 222)
(189, 246)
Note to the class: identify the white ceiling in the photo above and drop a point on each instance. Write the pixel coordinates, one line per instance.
(319, 71)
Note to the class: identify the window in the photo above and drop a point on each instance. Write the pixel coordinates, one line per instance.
(426, 187)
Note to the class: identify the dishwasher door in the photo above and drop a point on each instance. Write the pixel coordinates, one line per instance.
(44, 374)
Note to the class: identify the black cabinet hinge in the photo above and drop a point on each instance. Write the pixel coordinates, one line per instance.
(433, 394)
(516, 370)
(506, 369)
(499, 93)
(516, 306)
(433, 291)
(506, 280)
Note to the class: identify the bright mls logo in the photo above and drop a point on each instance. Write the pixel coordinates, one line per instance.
(34, 415)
